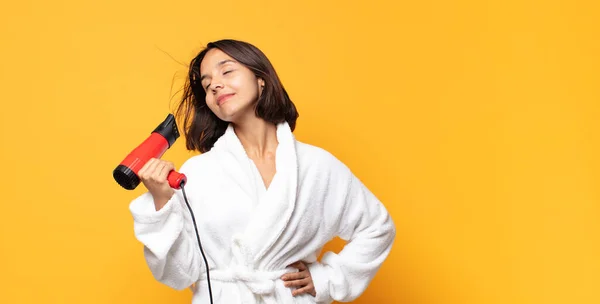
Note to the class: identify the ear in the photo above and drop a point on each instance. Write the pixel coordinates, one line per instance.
(261, 82)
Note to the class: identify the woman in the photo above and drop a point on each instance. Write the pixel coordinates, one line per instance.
(265, 204)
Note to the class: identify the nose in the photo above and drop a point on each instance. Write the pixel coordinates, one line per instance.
(215, 84)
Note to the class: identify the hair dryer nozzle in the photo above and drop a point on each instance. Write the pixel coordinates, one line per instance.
(168, 129)
(126, 177)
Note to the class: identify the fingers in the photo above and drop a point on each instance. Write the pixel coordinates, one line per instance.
(156, 170)
(142, 172)
(300, 280)
(297, 283)
(294, 276)
(162, 171)
(309, 289)
(299, 265)
(147, 170)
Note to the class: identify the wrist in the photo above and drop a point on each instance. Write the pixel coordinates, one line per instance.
(161, 201)
(320, 279)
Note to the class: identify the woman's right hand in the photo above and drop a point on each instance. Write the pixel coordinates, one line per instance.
(154, 177)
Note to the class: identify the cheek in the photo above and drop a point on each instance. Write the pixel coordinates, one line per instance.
(244, 85)
(210, 101)
(250, 90)
(237, 84)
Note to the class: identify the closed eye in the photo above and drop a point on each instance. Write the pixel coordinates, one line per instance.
(224, 73)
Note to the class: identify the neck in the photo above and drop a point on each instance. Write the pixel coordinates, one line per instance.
(258, 137)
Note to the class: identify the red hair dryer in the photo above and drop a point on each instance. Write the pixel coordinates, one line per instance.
(161, 139)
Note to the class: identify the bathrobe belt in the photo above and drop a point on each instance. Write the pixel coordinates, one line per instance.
(256, 282)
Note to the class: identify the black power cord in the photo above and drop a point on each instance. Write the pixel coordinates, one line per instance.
(199, 243)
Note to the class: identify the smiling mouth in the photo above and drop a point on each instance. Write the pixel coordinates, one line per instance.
(223, 98)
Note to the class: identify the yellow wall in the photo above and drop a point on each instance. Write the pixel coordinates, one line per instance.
(476, 123)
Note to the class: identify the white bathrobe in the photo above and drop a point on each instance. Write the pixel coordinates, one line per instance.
(250, 234)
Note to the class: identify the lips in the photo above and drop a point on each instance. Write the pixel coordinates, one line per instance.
(221, 99)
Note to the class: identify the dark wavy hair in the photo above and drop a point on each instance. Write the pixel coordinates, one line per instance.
(201, 126)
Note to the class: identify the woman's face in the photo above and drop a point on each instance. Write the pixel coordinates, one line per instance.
(231, 88)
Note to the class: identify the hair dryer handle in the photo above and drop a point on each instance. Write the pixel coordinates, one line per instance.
(176, 179)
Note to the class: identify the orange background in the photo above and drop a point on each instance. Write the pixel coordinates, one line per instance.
(475, 122)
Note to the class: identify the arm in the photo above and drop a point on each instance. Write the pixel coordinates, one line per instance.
(369, 230)
(170, 248)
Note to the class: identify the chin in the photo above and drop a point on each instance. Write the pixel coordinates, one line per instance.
(232, 113)
(227, 115)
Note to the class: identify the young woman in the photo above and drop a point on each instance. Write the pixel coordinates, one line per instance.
(265, 204)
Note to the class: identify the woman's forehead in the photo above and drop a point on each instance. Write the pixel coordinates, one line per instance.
(215, 58)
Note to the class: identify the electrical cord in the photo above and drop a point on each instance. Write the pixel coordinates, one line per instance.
(199, 243)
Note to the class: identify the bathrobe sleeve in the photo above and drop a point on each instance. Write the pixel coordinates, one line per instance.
(360, 219)
(170, 246)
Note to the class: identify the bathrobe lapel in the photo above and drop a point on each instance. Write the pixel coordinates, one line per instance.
(273, 212)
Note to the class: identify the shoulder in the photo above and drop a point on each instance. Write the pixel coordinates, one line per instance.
(308, 151)
(319, 158)
(200, 162)
(201, 171)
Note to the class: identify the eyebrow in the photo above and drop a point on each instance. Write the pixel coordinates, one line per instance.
(218, 64)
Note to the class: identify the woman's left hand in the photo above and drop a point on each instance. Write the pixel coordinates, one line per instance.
(301, 280)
